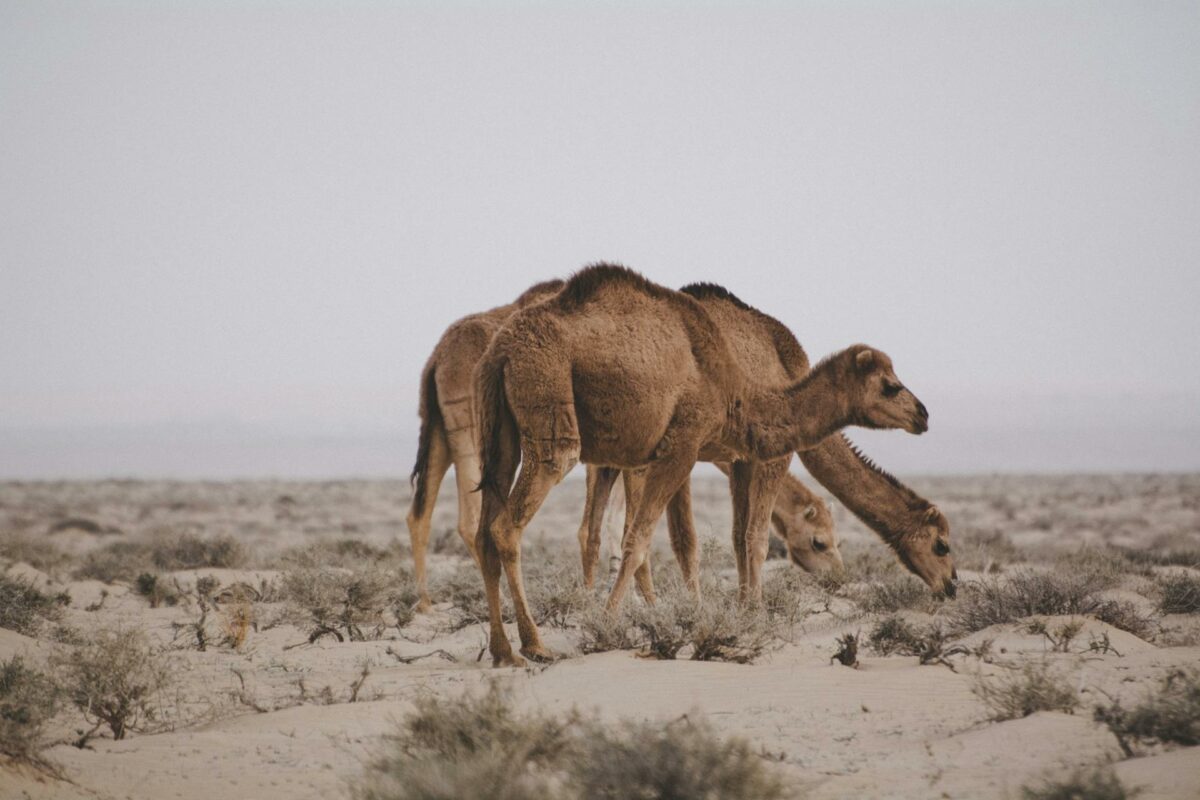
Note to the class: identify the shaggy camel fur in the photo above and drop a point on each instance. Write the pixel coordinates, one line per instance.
(553, 390)
(912, 526)
(448, 434)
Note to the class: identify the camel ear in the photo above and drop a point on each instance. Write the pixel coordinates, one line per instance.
(932, 514)
(810, 512)
(864, 360)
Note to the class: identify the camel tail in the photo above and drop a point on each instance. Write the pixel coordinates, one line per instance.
(497, 436)
(431, 420)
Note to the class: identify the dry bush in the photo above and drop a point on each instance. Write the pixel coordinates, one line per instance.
(894, 593)
(1027, 593)
(118, 561)
(39, 553)
(1035, 687)
(28, 701)
(333, 602)
(790, 595)
(1097, 784)
(601, 631)
(929, 643)
(1180, 594)
(480, 747)
(1163, 557)
(188, 551)
(155, 589)
(116, 679)
(1171, 714)
(553, 587)
(346, 553)
(472, 747)
(463, 587)
(24, 608)
(685, 759)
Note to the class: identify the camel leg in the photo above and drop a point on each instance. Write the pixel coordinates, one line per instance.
(617, 508)
(466, 476)
(419, 524)
(635, 484)
(658, 483)
(494, 516)
(600, 482)
(740, 477)
(682, 528)
(764, 486)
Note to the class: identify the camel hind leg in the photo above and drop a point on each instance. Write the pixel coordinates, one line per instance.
(419, 523)
(682, 528)
(600, 482)
(466, 477)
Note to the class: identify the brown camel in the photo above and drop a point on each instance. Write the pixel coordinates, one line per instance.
(619, 371)
(912, 526)
(448, 434)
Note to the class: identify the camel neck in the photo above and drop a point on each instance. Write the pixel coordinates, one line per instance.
(779, 420)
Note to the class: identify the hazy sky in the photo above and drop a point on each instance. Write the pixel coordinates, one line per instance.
(226, 217)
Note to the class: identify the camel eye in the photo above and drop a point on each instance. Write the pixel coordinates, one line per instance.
(940, 548)
(891, 389)
(818, 545)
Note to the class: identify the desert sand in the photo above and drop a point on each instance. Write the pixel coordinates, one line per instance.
(891, 727)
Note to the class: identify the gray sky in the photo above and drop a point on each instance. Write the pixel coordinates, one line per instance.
(230, 222)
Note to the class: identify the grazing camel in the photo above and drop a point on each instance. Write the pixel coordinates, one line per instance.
(911, 525)
(618, 371)
(448, 434)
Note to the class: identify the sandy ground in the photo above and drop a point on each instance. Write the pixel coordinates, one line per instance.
(891, 728)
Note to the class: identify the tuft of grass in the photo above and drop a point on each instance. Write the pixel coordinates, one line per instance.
(929, 643)
(1180, 594)
(24, 608)
(189, 551)
(1035, 687)
(28, 701)
(115, 679)
(481, 747)
(789, 595)
(894, 593)
(1171, 714)
(1096, 784)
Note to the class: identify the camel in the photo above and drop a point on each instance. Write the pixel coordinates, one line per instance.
(911, 525)
(448, 426)
(618, 371)
(448, 437)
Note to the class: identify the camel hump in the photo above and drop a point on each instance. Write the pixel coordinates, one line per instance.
(591, 280)
(714, 291)
(539, 291)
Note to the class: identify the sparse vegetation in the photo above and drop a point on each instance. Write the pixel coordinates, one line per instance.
(28, 701)
(155, 589)
(39, 553)
(479, 746)
(343, 603)
(115, 679)
(1034, 687)
(346, 553)
(929, 643)
(1026, 593)
(189, 551)
(116, 561)
(1171, 714)
(1180, 594)
(894, 593)
(24, 608)
(1096, 784)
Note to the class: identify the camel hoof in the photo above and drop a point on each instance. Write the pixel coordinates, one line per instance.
(539, 654)
(424, 606)
(507, 660)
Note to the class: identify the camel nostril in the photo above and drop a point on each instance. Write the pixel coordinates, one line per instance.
(949, 589)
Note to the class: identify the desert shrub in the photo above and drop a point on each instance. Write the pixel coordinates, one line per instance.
(685, 759)
(1035, 687)
(893, 594)
(116, 679)
(789, 595)
(1171, 714)
(463, 587)
(472, 747)
(156, 590)
(1180, 594)
(1164, 557)
(39, 553)
(600, 631)
(1097, 784)
(24, 607)
(1124, 615)
(188, 551)
(346, 553)
(118, 561)
(28, 701)
(331, 601)
(1027, 593)
(553, 586)
(480, 747)
(929, 643)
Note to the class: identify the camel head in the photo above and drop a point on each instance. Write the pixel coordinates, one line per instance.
(883, 401)
(926, 553)
(808, 532)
